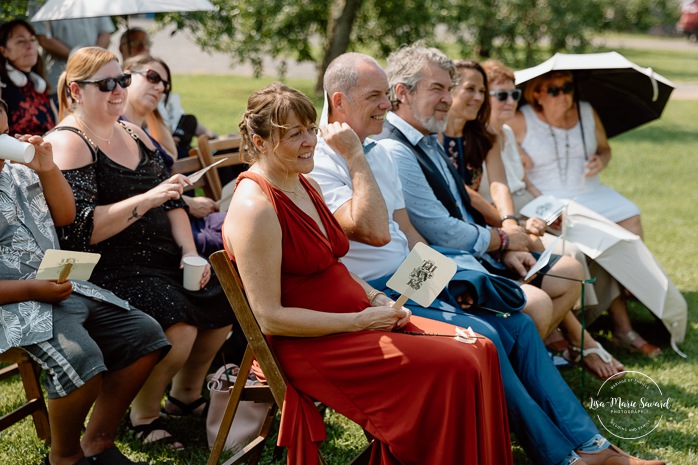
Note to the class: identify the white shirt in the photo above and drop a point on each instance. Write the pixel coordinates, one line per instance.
(332, 173)
(558, 154)
(513, 166)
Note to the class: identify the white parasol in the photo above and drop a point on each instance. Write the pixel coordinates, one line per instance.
(71, 9)
(629, 261)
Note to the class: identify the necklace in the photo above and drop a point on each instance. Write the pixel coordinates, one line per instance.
(560, 170)
(295, 191)
(108, 141)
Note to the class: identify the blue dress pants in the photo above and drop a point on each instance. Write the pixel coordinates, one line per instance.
(543, 411)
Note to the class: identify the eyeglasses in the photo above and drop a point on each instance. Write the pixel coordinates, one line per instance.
(109, 84)
(567, 88)
(295, 133)
(154, 77)
(503, 95)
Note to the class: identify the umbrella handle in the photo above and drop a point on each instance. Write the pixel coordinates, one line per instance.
(655, 88)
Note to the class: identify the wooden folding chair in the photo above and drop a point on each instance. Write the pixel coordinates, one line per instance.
(35, 406)
(258, 348)
(211, 151)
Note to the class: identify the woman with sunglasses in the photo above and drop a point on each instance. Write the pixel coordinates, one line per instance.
(22, 80)
(131, 213)
(503, 98)
(150, 84)
(606, 288)
(503, 102)
(152, 81)
(568, 147)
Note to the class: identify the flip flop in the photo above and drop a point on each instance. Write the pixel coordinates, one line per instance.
(573, 354)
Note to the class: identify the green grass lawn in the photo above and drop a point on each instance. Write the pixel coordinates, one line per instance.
(655, 165)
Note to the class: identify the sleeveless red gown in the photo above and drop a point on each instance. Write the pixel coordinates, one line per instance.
(426, 400)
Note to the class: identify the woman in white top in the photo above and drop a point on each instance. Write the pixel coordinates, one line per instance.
(585, 188)
(568, 148)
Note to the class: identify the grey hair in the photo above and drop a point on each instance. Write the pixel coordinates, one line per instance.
(406, 64)
(342, 74)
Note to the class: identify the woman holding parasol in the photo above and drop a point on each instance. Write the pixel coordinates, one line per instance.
(567, 145)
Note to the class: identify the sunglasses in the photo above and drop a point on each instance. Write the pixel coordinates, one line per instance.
(554, 91)
(154, 77)
(109, 84)
(503, 95)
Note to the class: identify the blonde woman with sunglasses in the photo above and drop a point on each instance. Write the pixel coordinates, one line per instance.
(130, 211)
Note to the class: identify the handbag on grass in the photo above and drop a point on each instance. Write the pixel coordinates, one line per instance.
(248, 417)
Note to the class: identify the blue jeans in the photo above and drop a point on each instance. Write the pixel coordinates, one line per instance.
(543, 411)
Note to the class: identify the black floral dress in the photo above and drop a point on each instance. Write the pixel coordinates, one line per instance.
(141, 263)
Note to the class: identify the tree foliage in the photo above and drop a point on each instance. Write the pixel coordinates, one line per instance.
(301, 30)
(520, 32)
(249, 31)
(13, 9)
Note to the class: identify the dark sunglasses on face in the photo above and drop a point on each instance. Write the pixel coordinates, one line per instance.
(154, 77)
(567, 88)
(503, 95)
(109, 84)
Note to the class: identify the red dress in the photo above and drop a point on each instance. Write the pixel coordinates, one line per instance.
(426, 400)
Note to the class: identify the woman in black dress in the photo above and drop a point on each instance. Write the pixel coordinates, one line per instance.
(132, 213)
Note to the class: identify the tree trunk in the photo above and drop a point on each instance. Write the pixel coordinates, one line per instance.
(486, 31)
(341, 21)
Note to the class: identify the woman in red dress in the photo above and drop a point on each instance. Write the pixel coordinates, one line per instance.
(426, 400)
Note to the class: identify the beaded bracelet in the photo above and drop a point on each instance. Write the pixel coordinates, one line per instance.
(503, 240)
(373, 293)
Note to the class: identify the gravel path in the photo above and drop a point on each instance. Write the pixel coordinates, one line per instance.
(185, 57)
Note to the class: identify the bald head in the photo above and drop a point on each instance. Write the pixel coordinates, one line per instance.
(342, 74)
(357, 92)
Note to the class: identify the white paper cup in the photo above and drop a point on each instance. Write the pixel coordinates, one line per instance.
(193, 271)
(15, 150)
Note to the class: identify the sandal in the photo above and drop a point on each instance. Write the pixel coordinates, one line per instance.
(573, 354)
(556, 342)
(634, 342)
(185, 410)
(112, 456)
(143, 433)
